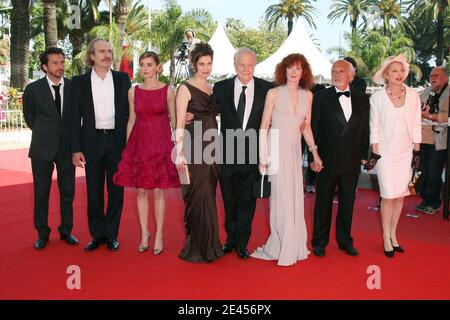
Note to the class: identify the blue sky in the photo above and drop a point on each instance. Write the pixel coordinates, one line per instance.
(250, 11)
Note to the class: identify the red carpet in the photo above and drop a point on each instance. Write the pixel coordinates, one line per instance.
(420, 273)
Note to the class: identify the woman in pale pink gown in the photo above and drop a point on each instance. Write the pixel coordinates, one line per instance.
(287, 107)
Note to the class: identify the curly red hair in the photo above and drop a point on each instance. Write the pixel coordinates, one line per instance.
(306, 81)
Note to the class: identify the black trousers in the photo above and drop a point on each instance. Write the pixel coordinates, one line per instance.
(325, 188)
(432, 164)
(310, 176)
(239, 203)
(102, 166)
(42, 182)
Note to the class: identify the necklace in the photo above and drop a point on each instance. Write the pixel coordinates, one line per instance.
(396, 96)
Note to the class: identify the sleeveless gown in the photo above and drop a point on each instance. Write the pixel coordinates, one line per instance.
(146, 160)
(288, 234)
(202, 242)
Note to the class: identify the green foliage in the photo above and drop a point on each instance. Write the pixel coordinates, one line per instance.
(290, 10)
(14, 99)
(372, 47)
(264, 40)
(169, 25)
(38, 48)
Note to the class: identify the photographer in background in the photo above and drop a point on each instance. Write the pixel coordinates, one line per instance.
(184, 51)
(433, 153)
(191, 40)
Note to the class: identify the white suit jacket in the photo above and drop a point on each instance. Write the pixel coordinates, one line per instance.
(382, 118)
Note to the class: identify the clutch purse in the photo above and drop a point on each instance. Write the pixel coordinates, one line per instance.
(183, 175)
(261, 187)
(416, 183)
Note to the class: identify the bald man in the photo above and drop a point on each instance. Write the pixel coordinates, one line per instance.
(340, 124)
(433, 148)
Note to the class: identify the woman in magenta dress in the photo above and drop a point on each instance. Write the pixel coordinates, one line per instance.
(146, 161)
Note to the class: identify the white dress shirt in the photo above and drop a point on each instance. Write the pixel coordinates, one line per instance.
(103, 96)
(61, 90)
(346, 103)
(249, 97)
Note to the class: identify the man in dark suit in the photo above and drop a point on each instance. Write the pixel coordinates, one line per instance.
(357, 83)
(242, 103)
(98, 136)
(46, 107)
(340, 124)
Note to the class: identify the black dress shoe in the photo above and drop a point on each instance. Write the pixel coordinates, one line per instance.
(319, 251)
(350, 250)
(113, 245)
(70, 239)
(93, 244)
(40, 243)
(227, 247)
(243, 253)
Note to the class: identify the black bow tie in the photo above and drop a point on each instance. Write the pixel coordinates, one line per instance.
(345, 93)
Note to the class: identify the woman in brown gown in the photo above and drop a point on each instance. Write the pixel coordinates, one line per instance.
(194, 96)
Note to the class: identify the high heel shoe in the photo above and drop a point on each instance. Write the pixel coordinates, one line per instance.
(389, 253)
(142, 248)
(157, 251)
(398, 248)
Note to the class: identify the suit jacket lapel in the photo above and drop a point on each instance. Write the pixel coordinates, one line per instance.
(338, 108)
(116, 96)
(66, 100)
(354, 115)
(256, 104)
(230, 94)
(49, 96)
(88, 89)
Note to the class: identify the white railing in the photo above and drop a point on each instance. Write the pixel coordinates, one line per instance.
(13, 128)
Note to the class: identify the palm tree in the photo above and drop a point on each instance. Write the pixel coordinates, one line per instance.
(290, 10)
(50, 24)
(121, 11)
(167, 32)
(136, 29)
(90, 17)
(352, 9)
(390, 10)
(20, 38)
(440, 10)
(371, 48)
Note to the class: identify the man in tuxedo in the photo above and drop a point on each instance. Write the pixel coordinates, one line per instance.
(98, 136)
(340, 124)
(46, 107)
(242, 103)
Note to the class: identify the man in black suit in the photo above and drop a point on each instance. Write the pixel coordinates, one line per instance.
(357, 83)
(46, 107)
(242, 103)
(340, 124)
(98, 136)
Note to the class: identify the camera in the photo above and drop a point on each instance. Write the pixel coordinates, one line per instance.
(182, 52)
(433, 102)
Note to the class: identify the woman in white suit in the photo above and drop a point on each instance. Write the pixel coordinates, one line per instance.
(395, 136)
